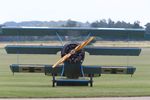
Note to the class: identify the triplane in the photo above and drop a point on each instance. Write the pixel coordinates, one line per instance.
(72, 72)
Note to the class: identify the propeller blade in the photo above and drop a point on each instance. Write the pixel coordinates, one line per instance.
(82, 45)
(57, 63)
(61, 60)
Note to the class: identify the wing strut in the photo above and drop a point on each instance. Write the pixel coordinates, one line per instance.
(60, 39)
(88, 36)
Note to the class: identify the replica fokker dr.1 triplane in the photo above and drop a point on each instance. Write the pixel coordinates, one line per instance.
(73, 54)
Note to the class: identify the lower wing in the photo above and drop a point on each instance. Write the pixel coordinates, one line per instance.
(87, 70)
(98, 70)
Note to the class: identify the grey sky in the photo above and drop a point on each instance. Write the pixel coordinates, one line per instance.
(79, 10)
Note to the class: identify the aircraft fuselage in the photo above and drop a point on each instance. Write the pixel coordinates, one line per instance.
(72, 66)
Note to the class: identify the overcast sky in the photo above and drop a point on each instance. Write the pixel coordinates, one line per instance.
(79, 10)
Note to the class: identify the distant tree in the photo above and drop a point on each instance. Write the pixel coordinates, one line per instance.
(101, 23)
(2, 25)
(148, 28)
(136, 24)
(94, 24)
(111, 23)
(71, 23)
(122, 24)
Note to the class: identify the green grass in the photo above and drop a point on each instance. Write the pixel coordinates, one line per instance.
(39, 85)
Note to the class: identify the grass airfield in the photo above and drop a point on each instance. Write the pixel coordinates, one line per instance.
(38, 85)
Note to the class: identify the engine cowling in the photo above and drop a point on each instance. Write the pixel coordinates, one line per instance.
(75, 58)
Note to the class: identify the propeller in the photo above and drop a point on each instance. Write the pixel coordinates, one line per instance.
(77, 48)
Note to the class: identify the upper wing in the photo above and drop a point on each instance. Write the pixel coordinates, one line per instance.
(64, 31)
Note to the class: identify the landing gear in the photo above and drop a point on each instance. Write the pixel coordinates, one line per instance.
(53, 81)
(91, 80)
(72, 82)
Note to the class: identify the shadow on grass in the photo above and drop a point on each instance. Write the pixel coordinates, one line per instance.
(26, 85)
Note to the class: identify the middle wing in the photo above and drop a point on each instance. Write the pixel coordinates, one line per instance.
(120, 51)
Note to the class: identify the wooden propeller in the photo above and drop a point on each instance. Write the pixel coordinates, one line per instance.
(79, 47)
